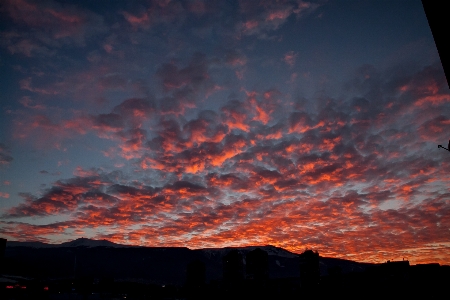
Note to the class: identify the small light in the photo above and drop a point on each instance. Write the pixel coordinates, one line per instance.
(9, 287)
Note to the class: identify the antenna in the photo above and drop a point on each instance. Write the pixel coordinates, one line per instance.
(448, 149)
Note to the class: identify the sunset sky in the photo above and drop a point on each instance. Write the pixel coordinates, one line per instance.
(226, 123)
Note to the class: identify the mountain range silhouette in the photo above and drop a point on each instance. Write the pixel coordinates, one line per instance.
(161, 265)
(89, 269)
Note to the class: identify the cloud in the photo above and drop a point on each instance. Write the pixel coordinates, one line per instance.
(63, 197)
(235, 58)
(4, 195)
(290, 57)
(24, 44)
(262, 19)
(158, 12)
(353, 174)
(112, 81)
(5, 155)
(142, 20)
(53, 25)
(193, 75)
(186, 86)
(435, 129)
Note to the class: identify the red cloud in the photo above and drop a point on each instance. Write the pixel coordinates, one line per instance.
(290, 58)
(142, 20)
(281, 14)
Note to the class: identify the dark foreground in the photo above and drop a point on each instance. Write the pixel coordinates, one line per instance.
(429, 281)
(74, 271)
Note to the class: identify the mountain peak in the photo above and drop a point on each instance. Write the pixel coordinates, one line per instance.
(85, 242)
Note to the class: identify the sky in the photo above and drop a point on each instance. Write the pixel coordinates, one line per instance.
(303, 125)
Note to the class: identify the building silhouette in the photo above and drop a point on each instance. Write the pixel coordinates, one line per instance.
(195, 279)
(257, 264)
(195, 274)
(396, 270)
(233, 267)
(428, 276)
(2, 253)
